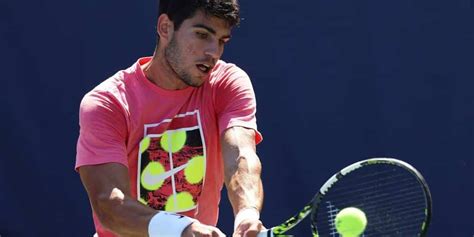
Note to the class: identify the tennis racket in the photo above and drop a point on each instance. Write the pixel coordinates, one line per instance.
(393, 195)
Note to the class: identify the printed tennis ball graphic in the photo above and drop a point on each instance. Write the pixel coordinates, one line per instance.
(152, 169)
(194, 172)
(173, 140)
(144, 144)
(180, 201)
(350, 222)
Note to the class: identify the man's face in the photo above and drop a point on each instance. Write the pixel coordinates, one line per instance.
(196, 46)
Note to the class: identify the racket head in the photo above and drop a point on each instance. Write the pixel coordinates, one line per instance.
(393, 195)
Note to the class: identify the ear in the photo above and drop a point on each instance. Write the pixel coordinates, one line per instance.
(164, 27)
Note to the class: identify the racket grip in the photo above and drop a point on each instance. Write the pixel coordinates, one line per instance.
(265, 233)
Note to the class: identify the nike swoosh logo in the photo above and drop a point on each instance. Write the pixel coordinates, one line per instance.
(153, 179)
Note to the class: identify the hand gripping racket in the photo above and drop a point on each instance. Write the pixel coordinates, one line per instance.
(393, 195)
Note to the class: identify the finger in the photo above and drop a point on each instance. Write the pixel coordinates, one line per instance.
(217, 233)
(254, 229)
(238, 234)
(251, 233)
(240, 231)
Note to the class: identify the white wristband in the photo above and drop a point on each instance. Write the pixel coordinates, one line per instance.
(248, 213)
(168, 224)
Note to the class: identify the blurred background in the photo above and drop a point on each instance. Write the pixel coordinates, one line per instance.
(336, 82)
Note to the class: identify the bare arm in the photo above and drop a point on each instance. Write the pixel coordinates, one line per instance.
(108, 188)
(242, 169)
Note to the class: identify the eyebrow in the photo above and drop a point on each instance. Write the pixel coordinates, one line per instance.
(212, 31)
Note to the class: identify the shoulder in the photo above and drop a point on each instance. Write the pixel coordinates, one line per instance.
(107, 96)
(225, 74)
(114, 86)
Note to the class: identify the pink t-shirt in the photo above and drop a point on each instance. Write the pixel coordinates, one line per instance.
(169, 140)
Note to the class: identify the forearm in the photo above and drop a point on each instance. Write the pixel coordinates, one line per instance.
(108, 188)
(123, 215)
(242, 169)
(243, 182)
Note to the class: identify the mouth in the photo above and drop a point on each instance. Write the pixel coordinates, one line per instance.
(204, 67)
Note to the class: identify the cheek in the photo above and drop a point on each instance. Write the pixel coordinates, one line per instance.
(191, 47)
(196, 48)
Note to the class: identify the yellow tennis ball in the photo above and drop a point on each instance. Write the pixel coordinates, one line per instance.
(173, 140)
(194, 173)
(350, 222)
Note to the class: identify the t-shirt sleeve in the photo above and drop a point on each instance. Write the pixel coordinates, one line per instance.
(235, 101)
(102, 133)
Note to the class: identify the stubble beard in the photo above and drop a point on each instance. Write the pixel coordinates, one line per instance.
(174, 57)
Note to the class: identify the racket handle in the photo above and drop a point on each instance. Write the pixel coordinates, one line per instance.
(265, 233)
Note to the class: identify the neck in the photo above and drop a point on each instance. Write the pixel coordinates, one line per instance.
(160, 73)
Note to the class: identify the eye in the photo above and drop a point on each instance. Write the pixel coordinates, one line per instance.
(202, 35)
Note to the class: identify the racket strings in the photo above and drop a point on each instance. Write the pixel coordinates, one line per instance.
(402, 190)
(369, 189)
(402, 198)
(368, 180)
(406, 209)
(391, 197)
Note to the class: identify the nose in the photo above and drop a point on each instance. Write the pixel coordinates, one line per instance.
(214, 50)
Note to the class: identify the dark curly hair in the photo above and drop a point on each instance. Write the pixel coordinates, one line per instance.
(180, 10)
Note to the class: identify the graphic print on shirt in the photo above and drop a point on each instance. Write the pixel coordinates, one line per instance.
(172, 163)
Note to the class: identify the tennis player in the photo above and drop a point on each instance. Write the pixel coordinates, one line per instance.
(159, 139)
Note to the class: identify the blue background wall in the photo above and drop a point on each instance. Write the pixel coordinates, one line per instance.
(336, 81)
